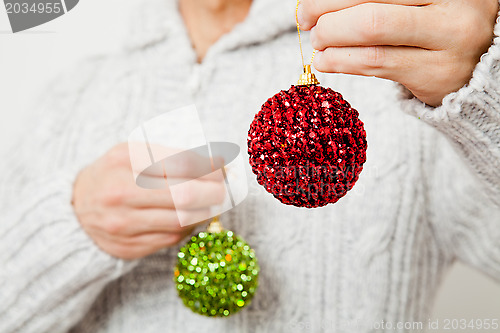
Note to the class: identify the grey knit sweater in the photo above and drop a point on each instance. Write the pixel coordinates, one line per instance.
(429, 193)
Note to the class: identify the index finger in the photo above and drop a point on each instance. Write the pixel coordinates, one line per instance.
(187, 164)
(163, 162)
(310, 10)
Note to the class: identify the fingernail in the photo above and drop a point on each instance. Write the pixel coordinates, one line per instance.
(317, 57)
(312, 37)
(300, 16)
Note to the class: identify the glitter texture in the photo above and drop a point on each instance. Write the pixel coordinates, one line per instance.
(216, 274)
(307, 146)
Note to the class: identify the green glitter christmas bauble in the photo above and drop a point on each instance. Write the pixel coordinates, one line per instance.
(216, 273)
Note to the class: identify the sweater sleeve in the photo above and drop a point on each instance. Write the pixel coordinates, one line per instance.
(50, 270)
(464, 164)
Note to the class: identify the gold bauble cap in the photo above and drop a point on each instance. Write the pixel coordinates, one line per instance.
(215, 226)
(307, 78)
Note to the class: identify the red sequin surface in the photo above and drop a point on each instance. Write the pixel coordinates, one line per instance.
(307, 146)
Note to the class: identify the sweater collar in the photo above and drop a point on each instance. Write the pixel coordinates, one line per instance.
(156, 20)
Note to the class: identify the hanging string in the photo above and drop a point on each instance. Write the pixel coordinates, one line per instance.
(300, 39)
(298, 32)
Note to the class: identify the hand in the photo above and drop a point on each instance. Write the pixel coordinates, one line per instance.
(431, 47)
(130, 222)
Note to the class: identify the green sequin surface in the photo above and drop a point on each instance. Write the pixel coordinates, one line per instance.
(216, 273)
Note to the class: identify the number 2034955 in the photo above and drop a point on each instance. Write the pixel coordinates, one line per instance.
(35, 8)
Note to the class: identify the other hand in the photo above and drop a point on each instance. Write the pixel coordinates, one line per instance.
(131, 222)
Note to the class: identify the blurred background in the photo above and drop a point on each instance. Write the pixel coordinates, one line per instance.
(29, 60)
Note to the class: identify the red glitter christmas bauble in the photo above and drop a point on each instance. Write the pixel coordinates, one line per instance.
(307, 146)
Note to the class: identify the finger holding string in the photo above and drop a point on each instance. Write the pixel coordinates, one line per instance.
(387, 62)
(378, 24)
(309, 11)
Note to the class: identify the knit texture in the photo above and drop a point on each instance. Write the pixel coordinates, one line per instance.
(429, 193)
